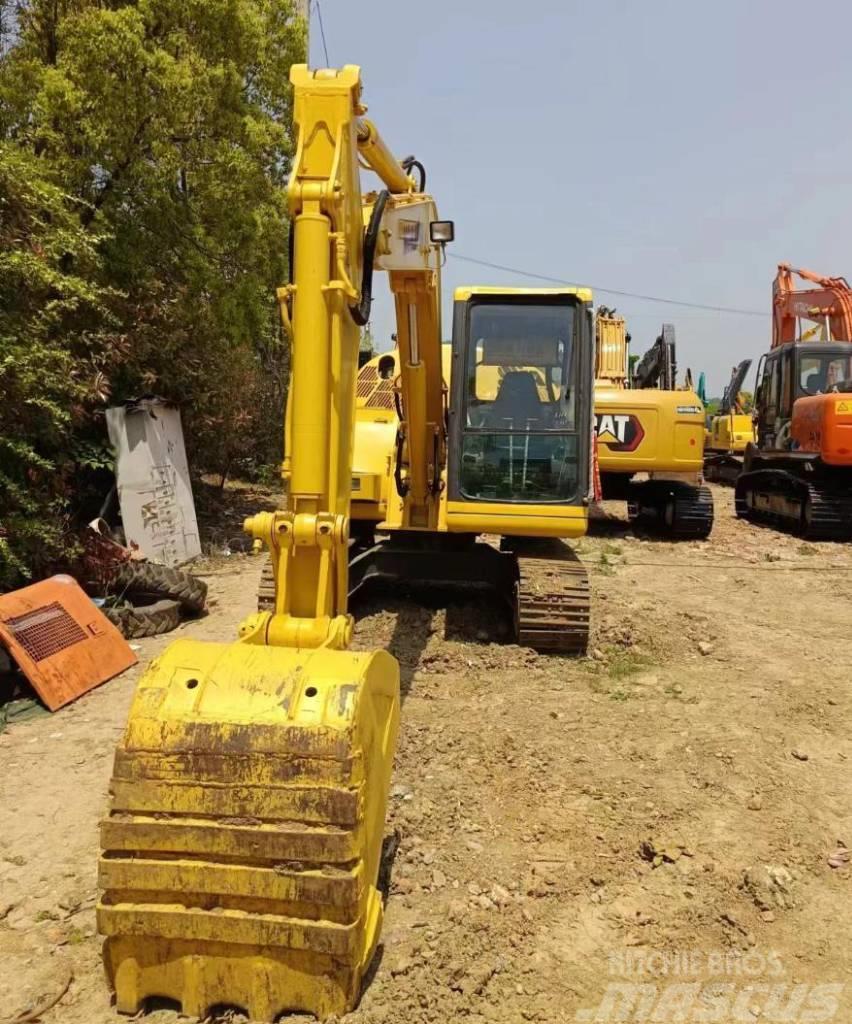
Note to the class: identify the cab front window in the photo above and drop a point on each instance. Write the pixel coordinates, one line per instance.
(820, 373)
(520, 441)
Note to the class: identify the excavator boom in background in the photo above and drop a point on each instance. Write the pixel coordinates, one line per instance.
(797, 475)
(658, 367)
(242, 846)
(730, 431)
(652, 430)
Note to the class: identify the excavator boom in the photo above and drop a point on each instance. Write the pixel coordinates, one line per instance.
(828, 306)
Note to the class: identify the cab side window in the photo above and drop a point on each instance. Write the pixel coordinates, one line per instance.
(772, 389)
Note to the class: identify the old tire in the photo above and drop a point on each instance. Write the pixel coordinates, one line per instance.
(151, 580)
(144, 620)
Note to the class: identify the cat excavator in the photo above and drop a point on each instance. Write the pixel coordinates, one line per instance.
(649, 434)
(797, 475)
(242, 845)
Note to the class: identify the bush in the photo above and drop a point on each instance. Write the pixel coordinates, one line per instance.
(144, 151)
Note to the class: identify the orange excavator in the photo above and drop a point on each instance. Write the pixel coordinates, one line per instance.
(798, 474)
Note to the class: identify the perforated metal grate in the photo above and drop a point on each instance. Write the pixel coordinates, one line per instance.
(366, 381)
(45, 631)
(382, 397)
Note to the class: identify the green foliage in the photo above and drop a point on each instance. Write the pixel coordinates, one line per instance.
(144, 151)
(54, 318)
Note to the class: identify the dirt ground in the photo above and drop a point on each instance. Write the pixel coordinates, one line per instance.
(671, 812)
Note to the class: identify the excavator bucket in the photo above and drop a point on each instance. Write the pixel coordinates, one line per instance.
(242, 846)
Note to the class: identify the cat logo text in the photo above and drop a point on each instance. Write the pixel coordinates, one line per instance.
(619, 432)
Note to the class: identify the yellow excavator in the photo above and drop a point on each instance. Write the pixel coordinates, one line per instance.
(730, 431)
(650, 434)
(241, 849)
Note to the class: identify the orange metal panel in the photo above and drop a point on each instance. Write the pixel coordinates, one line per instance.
(63, 644)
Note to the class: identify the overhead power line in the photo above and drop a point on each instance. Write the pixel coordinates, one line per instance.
(322, 32)
(608, 291)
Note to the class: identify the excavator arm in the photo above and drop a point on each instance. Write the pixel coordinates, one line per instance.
(658, 368)
(339, 237)
(242, 845)
(828, 306)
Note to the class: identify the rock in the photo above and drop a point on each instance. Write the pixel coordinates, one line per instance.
(755, 802)
(400, 792)
(768, 916)
(773, 556)
(770, 887)
(402, 966)
(500, 895)
(56, 936)
(705, 647)
(840, 858)
(485, 902)
(439, 879)
(457, 911)
(799, 755)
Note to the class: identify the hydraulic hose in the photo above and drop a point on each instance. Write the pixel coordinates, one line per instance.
(361, 312)
(407, 165)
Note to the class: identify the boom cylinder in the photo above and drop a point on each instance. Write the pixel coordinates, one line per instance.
(372, 148)
(309, 459)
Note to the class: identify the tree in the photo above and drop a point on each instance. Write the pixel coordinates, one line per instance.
(53, 323)
(164, 129)
(366, 347)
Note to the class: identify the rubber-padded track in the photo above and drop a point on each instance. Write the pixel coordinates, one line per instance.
(693, 513)
(673, 509)
(723, 469)
(553, 604)
(823, 514)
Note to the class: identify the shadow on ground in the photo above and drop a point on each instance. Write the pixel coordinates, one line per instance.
(462, 615)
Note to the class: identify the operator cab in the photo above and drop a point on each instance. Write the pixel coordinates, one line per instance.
(520, 416)
(797, 370)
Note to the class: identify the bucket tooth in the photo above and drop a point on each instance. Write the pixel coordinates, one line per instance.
(241, 850)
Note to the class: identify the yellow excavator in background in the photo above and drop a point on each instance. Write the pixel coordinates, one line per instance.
(242, 845)
(645, 425)
(730, 431)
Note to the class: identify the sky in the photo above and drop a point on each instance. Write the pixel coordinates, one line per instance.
(670, 148)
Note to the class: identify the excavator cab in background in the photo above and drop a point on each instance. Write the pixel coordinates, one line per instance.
(651, 430)
(730, 431)
(797, 474)
(242, 846)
